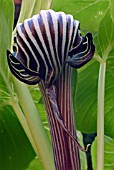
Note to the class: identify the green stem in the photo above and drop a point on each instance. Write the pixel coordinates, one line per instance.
(32, 124)
(35, 125)
(46, 4)
(100, 117)
(98, 58)
(24, 124)
(12, 102)
(24, 14)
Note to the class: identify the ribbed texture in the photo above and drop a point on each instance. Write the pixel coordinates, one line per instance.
(43, 43)
(66, 154)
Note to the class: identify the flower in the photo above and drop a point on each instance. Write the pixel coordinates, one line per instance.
(45, 43)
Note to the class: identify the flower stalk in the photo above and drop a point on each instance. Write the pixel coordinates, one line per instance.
(66, 152)
(100, 117)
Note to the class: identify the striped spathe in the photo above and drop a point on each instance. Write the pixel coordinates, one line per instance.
(44, 43)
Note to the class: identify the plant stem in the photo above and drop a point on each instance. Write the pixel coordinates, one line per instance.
(24, 124)
(35, 125)
(66, 153)
(98, 58)
(46, 4)
(12, 102)
(24, 14)
(100, 117)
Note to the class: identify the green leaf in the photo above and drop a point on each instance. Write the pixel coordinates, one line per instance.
(6, 27)
(89, 13)
(15, 149)
(4, 94)
(85, 92)
(85, 98)
(108, 153)
(106, 35)
(112, 9)
(35, 165)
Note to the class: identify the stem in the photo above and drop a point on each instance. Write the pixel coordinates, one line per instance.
(66, 152)
(98, 58)
(37, 137)
(24, 124)
(24, 14)
(46, 4)
(18, 111)
(25, 7)
(35, 125)
(65, 104)
(100, 118)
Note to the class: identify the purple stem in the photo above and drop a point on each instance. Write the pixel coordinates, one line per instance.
(66, 152)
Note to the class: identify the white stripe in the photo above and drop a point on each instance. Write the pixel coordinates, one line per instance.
(76, 30)
(35, 44)
(33, 78)
(38, 31)
(63, 15)
(27, 43)
(45, 21)
(55, 24)
(23, 76)
(22, 70)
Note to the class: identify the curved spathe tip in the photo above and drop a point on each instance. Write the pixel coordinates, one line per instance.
(83, 53)
(20, 71)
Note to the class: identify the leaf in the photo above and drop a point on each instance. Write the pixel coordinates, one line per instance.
(89, 13)
(108, 153)
(112, 9)
(85, 98)
(109, 98)
(6, 27)
(106, 35)
(85, 92)
(35, 165)
(15, 149)
(4, 94)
